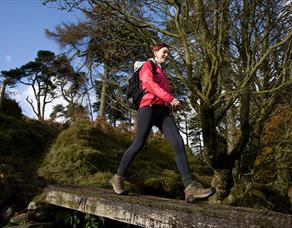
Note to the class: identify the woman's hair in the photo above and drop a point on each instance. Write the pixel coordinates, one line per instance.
(157, 47)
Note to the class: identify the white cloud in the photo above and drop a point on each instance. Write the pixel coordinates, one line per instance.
(21, 92)
(27, 109)
(8, 58)
(49, 107)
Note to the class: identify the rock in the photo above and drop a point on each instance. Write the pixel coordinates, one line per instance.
(21, 218)
(7, 213)
(35, 225)
(38, 205)
(37, 213)
(40, 216)
(34, 205)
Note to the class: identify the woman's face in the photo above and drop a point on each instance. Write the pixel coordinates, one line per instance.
(161, 55)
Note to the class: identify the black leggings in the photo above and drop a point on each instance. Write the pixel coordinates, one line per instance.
(159, 116)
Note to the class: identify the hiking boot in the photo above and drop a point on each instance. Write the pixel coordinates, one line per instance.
(118, 185)
(193, 191)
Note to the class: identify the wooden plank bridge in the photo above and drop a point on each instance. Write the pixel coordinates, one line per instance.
(151, 211)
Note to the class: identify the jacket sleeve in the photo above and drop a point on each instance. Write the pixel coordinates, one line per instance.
(147, 77)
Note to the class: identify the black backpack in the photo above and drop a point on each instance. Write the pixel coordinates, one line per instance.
(134, 90)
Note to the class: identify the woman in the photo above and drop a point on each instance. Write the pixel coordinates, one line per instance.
(154, 110)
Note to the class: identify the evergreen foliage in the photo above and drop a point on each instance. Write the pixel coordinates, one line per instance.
(11, 108)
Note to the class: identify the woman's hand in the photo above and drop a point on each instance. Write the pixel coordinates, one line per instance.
(175, 103)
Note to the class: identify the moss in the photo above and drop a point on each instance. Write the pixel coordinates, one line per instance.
(265, 167)
(39, 197)
(204, 180)
(243, 195)
(98, 179)
(22, 136)
(22, 145)
(86, 155)
(199, 166)
(167, 184)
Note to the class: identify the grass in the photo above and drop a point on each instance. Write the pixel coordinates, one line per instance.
(23, 143)
(87, 155)
(41, 153)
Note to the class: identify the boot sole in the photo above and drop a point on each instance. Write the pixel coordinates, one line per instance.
(193, 199)
(121, 194)
(118, 193)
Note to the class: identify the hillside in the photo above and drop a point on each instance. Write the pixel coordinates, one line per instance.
(35, 154)
(23, 143)
(85, 155)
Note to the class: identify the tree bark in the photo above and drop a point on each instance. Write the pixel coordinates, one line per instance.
(2, 92)
(101, 111)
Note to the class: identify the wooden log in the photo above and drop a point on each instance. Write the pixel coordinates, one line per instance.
(151, 211)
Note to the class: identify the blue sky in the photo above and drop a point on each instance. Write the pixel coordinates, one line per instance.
(23, 24)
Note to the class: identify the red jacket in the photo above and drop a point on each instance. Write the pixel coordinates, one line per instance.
(157, 86)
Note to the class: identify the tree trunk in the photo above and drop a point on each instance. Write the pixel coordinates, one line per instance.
(2, 92)
(283, 166)
(216, 154)
(101, 111)
(209, 137)
(231, 130)
(40, 117)
(89, 107)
